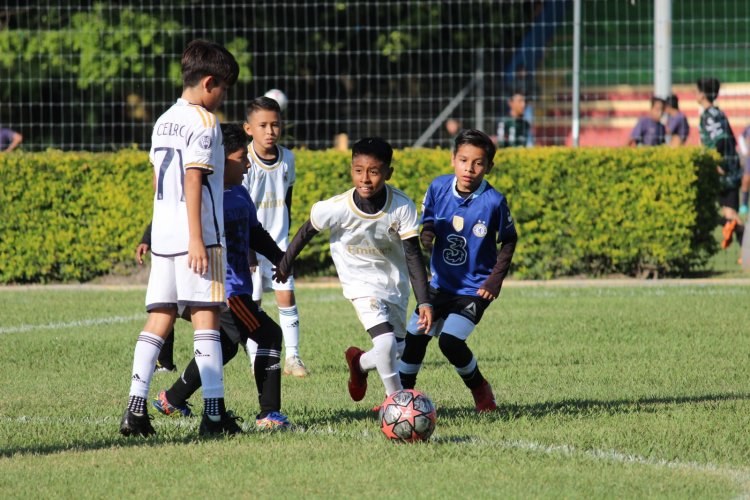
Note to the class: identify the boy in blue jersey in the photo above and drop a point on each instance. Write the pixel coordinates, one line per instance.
(244, 320)
(463, 220)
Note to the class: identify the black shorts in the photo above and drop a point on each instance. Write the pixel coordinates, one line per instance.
(245, 320)
(730, 198)
(468, 306)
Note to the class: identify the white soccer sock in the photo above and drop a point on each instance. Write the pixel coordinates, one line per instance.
(147, 349)
(382, 357)
(208, 357)
(289, 322)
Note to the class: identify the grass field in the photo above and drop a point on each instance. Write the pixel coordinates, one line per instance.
(603, 392)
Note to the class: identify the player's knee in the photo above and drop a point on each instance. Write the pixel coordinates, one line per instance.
(272, 337)
(228, 351)
(454, 349)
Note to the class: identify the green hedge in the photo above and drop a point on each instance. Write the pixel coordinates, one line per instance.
(74, 216)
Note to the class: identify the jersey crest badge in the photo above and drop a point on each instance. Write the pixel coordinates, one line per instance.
(458, 222)
(393, 228)
(479, 229)
(205, 142)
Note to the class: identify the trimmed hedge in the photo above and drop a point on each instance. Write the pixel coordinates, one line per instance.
(74, 216)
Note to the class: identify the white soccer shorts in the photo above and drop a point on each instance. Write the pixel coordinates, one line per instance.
(373, 311)
(263, 279)
(172, 283)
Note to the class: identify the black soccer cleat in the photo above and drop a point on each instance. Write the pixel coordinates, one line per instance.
(227, 425)
(135, 425)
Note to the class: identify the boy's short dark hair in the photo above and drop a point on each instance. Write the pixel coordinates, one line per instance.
(202, 58)
(672, 101)
(475, 138)
(265, 103)
(235, 137)
(709, 87)
(376, 147)
(656, 99)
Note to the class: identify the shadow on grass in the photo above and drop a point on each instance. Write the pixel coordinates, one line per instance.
(587, 407)
(505, 412)
(116, 441)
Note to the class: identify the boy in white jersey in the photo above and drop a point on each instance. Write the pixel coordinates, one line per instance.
(188, 260)
(374, 245)
(270, 180)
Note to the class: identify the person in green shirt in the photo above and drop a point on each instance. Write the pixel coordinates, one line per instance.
(513, 130)
(716, 133)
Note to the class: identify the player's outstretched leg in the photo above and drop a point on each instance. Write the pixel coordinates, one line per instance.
(411, 360)
(357, 377)
(135, 419)
(463, 360)
(382, 357)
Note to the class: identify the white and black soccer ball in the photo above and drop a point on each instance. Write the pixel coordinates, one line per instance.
(278, 96)
(408, 416)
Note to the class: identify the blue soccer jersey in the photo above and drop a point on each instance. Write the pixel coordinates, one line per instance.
(239, 217)
(467, 231)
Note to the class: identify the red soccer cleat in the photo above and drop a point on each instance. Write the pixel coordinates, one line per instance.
(357, 379)
(483, 398)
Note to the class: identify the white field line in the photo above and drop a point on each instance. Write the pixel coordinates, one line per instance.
(738, 475)
(72, 324)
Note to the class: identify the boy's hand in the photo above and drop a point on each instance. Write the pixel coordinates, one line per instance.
(424, 323)
(486, 295)
(279, 276)
(140, 251)
(197, 257)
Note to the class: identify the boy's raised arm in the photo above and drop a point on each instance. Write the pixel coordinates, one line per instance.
(300, 240)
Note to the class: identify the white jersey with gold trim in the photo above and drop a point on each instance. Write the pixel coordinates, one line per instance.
(186, 137)
(367, 249)
(267, 185)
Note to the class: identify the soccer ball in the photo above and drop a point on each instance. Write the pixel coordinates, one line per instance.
(278, 96)
(407, 415)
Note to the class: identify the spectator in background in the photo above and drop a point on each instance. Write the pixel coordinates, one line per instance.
(744, 144)
(716, 133)
(9, 139)
(514, 129)
(677, 124)
(649, 130)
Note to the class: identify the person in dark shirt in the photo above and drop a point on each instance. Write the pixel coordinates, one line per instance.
(716, 133)
(9, 140)
(513, 130)
(649, 130)
(677, 124)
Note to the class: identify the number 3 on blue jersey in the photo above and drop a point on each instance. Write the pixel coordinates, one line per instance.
(165, 163)
(456, 253)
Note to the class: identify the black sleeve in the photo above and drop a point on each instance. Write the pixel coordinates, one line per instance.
(726, 147)
(261, 242)
(417, 271)
(146, 238)
(427, 236)
(288, 202)
(252, 258)
(494, 281)
(302, 238)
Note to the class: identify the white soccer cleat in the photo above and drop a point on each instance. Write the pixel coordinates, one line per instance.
(294, 366)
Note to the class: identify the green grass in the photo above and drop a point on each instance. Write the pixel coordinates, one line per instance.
(603, 392)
